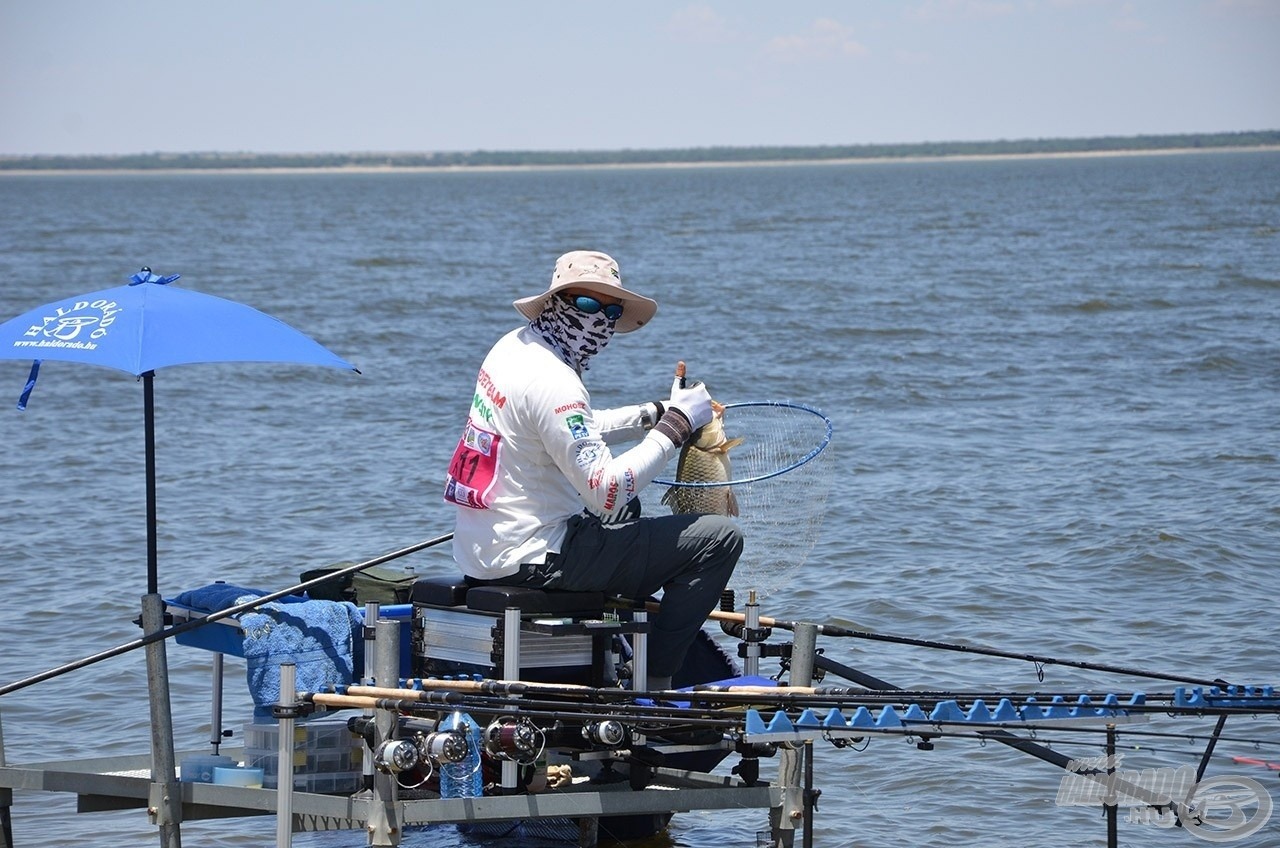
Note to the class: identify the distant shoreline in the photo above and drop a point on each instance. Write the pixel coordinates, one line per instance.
(710, 163)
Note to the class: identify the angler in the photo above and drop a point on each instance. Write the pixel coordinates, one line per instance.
(543, 500)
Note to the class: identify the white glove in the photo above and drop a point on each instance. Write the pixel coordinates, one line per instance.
(693, 402)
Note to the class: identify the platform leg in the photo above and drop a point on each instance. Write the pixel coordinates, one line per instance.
(640, 652)
(165, 802)
(384, 817)
(6, 803)
(1110, 810)
(284, 755)
(588, 832)
(751, 662)
(510, 671)
(639, 661)
(215, 705)
(370, 651)
(783, 819)
(803, 653)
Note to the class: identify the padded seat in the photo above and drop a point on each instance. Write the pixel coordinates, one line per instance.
(541, 601)
(440, 591)
(456, 592)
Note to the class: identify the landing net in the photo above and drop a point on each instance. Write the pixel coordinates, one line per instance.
(779, 476)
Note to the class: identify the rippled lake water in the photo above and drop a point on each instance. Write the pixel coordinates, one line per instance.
(1054, 386)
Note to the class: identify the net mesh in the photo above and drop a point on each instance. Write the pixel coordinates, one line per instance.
(780, 476)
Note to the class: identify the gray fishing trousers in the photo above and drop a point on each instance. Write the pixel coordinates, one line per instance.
(689, 557)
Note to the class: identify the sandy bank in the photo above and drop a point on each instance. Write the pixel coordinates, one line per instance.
(614, 166)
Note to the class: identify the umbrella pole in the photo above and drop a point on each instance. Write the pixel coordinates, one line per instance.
(149, 417)
(165, 804)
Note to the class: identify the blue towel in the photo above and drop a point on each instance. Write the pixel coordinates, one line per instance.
(216, 597)
(317, 636)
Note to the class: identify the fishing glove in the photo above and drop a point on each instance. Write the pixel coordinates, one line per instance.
(687, 410)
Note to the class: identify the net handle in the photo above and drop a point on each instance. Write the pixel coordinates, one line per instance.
(821, 446)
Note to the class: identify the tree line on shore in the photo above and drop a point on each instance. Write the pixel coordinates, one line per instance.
(693, 155)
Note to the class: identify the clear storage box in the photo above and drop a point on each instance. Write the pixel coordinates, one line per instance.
(326, 756)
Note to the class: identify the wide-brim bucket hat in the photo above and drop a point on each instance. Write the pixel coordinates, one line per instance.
(590, 270)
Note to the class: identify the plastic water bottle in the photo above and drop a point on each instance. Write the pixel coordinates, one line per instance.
(464, 779)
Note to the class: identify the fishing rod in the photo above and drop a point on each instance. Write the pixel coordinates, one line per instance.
(1002, 736)
(195, 623)
(544, 711)
(1037, 659)
(617, 698)
(500, 703)
(548, 711)
(704, 693)
(1127, 732)
(702, 697)
(510, 692)
(431, 689)
(1143, 749)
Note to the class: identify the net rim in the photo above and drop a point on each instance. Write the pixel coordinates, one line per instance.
(819, 448)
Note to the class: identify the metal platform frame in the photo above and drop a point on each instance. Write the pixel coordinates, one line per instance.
(116, 783)
(125, 782)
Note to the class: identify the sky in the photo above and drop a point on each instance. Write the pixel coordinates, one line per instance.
(315, 76)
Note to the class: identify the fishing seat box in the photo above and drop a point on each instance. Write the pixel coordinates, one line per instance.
(565, 637)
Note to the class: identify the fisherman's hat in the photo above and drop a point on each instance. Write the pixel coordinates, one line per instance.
(592, 271)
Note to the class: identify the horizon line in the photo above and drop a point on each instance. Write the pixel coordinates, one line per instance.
(711, 148)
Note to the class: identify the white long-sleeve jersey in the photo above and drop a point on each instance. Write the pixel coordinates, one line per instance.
(534, 453)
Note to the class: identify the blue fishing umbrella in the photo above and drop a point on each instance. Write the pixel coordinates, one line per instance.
(149, 324)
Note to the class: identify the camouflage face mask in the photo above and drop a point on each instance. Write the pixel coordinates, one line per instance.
(574, 334)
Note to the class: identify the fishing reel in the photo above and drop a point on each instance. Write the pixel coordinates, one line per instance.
(419, 756)
(444, 747)
(514, 740)
(397, 755)
(608, 732)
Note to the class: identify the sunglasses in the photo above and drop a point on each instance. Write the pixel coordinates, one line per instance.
(590, 306)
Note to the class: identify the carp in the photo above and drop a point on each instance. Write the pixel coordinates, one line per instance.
(705, 459)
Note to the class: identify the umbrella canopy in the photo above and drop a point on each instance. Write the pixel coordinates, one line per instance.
(149, 324)
(146, 325)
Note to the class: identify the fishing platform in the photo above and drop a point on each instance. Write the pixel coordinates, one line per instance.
(500, 710)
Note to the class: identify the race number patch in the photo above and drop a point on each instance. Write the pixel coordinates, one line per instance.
(474, 468)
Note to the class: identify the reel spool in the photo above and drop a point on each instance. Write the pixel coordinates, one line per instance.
(396, 755)
(609, 732)
(515, 740)
(443, 747)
